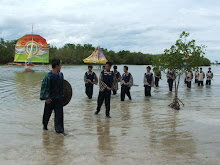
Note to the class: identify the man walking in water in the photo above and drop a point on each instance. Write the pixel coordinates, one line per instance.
(107, 82)
(126, 83)
(209, 76)
(148, 81)
(118, 77)
(189, 77)
(170, 78)
(90, 79)
(52, 93)
(201, 76)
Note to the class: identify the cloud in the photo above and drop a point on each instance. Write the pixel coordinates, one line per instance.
(146, 26)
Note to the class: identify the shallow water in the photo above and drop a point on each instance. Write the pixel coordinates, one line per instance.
(141, 131)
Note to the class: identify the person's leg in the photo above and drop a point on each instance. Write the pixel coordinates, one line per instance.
(114, 92)
(58, 120)
(209, 82)
(100, 101)
(87, 90)
(199, 82)
(149, 90)
(145, 90)
(107, 104)
(128, 92)
(48, 108)
(90, 92)
(156, 82)
(202, 83)
(122, 93)
(190, 83)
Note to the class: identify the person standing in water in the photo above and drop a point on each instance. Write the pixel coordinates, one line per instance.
(126, 84)
(209, 76)
(196, 75)
(189, 77)
(90, 79)
(171, 76)
(52, 93)
(118, 77)
(148, 81)
(201, 76)
(157, 76)
(107, 82)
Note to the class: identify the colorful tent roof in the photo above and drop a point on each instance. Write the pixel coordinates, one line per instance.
(97, 57)
(32, 48)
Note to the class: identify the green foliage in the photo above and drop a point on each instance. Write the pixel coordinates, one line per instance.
(7, 50)
(74, 54)
(181, 56)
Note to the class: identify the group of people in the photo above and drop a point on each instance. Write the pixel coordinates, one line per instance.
(52, 88)
(199, 77)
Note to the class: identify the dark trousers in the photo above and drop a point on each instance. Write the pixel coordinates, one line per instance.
(89, 90)
(125, 90)
(147, 90)
(57, 106)
(200, 83)
(156, 81)
(188, 84)
(196, 80)
(170, 83)
(105, 95)
(208, 82)
(114, 92)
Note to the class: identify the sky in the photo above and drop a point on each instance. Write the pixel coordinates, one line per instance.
(148, 26)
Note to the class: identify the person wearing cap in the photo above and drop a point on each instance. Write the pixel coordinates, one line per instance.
(118, 77)
(189, 77)
(126, 84)
(209, 76)
(201, 76)
(148, 81)
(90, 79)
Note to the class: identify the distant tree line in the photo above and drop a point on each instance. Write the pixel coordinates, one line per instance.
(75, 53)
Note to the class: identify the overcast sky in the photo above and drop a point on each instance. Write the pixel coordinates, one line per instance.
(148, 26)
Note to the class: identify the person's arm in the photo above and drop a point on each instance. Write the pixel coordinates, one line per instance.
(96, 80)
(102, 85)
(45, 88)
(211, 75)
(119, 77)
(203, 75)
(122, 81)
(115, 82)
(145, 80)
(152, 82)
(130, 83)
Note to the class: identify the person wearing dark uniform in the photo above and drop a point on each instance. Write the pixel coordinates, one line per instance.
(157, 75)
(189, 77)
(209, 76)
(118, 77)
(148, 81)
(52, 93)
(170, 78)
(126, 83)
(107, 82)
(90, 79)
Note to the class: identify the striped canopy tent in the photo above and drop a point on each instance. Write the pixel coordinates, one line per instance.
(97, 57)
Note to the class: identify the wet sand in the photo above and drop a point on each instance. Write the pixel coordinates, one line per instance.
(142, 131)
